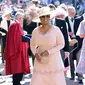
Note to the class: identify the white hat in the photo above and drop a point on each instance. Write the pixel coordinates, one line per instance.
(63, 6)
(60, 11)
(6, 12)
(42, 12)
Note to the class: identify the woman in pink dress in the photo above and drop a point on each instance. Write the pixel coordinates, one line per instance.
(46, 43)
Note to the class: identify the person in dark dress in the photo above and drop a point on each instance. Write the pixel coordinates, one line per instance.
(60, 22)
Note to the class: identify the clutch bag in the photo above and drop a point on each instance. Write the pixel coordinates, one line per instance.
(44, 59)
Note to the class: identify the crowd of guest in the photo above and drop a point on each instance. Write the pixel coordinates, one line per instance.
(30, 21)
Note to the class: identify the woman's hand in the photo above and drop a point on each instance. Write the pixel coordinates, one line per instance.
(45, 53)
(37, 56)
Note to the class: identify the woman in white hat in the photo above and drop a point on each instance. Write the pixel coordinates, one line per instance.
(46, 43)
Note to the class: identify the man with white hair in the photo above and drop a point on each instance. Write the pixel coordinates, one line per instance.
(19, 17)
(16, 51)
(71, 14)
(72, 27)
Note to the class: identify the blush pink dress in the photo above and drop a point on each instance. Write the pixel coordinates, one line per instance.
(50, 70)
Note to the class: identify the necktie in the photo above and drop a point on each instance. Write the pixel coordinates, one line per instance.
(72, 19)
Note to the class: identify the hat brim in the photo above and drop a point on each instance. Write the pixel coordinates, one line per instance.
(7, 13)
(52, 15)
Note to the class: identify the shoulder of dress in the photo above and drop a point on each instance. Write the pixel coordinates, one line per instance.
(55, 27)
(35, 30)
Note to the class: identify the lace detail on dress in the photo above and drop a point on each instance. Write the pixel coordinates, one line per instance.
(47, 71)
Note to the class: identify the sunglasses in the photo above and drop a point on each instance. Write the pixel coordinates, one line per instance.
(46, 16)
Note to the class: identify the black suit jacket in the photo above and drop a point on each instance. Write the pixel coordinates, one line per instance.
(76, 23)
(62, 25)
(29, 27)
(69, 26)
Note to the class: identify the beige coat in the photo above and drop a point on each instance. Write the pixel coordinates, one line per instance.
(4, 25)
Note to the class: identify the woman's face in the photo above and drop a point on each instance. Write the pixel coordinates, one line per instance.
(45, 19)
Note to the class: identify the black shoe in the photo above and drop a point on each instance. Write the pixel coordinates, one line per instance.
(76, 74)
(80, 82)
(0, 74)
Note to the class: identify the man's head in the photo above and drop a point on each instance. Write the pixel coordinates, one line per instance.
(71, 11)
(19, 16)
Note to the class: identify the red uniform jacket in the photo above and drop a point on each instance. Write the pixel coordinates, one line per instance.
(16, 51)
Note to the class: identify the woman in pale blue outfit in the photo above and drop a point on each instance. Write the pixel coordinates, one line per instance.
(81, 65)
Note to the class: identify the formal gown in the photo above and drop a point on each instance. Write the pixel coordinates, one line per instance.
(48, 71)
